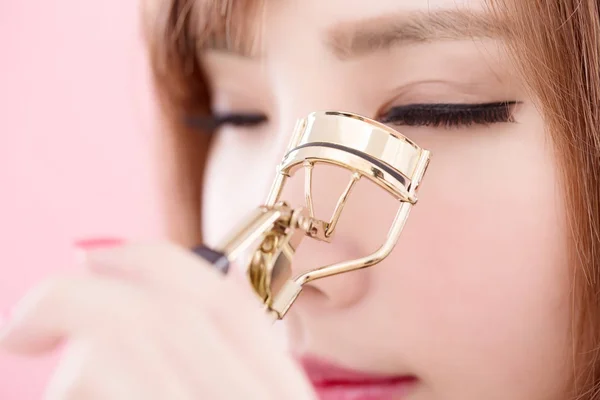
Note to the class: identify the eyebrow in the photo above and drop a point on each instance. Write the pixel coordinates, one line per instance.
(355, 39)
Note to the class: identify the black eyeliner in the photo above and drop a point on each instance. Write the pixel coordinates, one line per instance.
(452, 114)
(419, 114)
(211, 123)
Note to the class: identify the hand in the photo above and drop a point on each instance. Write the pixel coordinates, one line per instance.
(153, 322)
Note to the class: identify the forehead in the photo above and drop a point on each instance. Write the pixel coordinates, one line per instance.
(254, 26)
(320, 17)
(328, 12)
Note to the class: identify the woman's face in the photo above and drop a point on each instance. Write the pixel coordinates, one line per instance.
(474, 300)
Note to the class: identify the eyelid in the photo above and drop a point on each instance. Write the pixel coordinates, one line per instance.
(451, 107)
(450, 114)
(212, 122)
(240, 118)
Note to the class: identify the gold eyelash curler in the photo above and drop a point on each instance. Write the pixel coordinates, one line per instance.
(271, 235)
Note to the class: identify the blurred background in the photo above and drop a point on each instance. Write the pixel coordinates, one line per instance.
(77, 146)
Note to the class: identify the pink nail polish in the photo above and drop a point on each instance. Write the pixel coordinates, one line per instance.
(98, 243)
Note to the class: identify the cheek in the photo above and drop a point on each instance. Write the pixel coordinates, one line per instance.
(239, 171)
(500, 257)
(490, 244)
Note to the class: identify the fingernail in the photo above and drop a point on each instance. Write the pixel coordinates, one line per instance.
(83, 246)
(218, 260)
(98, 243)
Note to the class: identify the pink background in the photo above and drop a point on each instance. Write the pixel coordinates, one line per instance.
(76, 146)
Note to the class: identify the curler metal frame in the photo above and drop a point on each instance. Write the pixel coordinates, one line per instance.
(271, 235)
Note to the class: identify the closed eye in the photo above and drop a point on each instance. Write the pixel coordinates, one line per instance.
(213, 122)
(422, 114)
(450, 115)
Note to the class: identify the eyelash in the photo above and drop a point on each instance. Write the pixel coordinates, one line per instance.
(239, 119)
(211, 123)
(450, 115)
(435, 115)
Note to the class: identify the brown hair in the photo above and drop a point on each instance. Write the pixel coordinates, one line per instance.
(556, 45)
(175, 30)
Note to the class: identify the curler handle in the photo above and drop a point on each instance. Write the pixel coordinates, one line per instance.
(218, 260)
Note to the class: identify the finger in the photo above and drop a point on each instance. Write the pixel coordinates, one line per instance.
(168, 354)
(100, 309)
(179, 272)
(209, 360)
(241, 344)
(78, 367)
(238, 314)
(71, 306)
(160, 263)
(171, 268)
(140, 259)
(95, 369)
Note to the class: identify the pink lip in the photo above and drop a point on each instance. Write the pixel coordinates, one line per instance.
(332, 382)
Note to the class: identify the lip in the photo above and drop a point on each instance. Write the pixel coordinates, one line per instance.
(333, 382)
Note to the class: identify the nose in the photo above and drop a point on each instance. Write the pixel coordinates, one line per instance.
(360, 231)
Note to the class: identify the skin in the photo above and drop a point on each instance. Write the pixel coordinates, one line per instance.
(132, 329)
(474, 300)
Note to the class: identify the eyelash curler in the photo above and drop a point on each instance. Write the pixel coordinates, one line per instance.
(270, 236)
